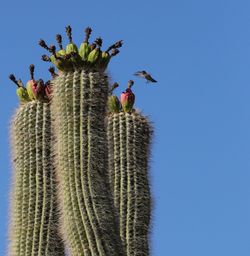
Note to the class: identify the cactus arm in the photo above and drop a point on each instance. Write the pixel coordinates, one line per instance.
(134, 208)
(33, 193)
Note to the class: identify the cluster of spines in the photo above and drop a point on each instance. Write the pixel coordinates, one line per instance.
(129, 136)
(34, 89)
(87, 56)
(34, 223)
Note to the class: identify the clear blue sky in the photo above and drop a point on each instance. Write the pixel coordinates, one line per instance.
(199, 51)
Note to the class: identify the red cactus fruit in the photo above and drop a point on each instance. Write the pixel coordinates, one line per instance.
(127, 100)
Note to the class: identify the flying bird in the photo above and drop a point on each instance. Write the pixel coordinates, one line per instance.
(147, 76)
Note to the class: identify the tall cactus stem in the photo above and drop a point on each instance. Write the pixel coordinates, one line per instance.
(34, 225)
(88, 215)
(129, 138)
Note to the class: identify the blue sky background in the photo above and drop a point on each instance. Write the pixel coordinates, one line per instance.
(199, 51)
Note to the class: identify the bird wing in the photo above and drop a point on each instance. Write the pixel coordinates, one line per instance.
(138, 73)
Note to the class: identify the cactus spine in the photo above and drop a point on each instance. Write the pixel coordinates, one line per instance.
(129, 136)
(33, 228)
(88, 215)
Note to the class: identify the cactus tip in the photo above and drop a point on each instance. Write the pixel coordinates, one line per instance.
(52, 72)
(119, 44)
(69, 33)
(88, 30)
(58, 38)
(59, 41)
(130, 83)
(98, 41)
(42, 43)
(113, 87)
(32, 69)
(46, 58)
(13, 78)
(52, 49)
(114, 52)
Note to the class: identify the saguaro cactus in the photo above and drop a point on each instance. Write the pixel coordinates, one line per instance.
(80, 92)
(129, 138)
(34, 218)
(75, 163)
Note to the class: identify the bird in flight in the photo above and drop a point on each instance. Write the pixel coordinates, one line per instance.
(147, 76)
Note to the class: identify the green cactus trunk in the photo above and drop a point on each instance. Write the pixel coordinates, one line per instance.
(129, 137)
(88, 216)
(34, 226)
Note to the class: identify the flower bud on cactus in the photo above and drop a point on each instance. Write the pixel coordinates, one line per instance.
(21, 90)
(22, 94)
(46, 58)
(31, 83)
(57, 60)
(128, 98)
(72, 49)
(61, 52)
(114, 104)
(116, 45)
(52, 72)
(39, 90)
(84, 49)
(95, 52)
(43, 44)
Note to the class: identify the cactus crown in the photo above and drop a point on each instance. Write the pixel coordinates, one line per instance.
(34, 89)
(126, 102)
(87, 56)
